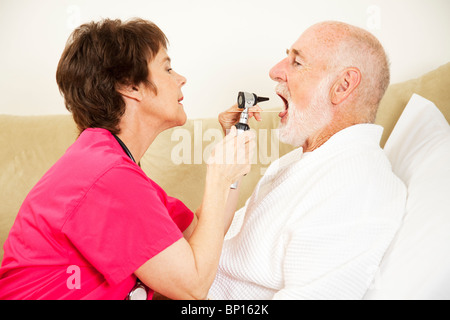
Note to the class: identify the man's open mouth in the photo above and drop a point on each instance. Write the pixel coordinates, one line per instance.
(286, 103)
(282, 114)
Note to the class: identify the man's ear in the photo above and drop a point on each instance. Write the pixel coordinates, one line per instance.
(347, 82)
(130, 91)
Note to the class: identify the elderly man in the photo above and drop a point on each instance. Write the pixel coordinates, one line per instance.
(321, 218)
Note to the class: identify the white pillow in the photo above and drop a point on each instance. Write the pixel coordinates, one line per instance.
(417, 265)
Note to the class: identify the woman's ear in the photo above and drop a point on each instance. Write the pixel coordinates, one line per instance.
(347, 82)
(133, 92)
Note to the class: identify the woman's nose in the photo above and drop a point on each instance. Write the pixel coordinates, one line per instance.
(182, 80)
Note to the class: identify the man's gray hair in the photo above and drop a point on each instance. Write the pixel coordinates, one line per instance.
(358, 48)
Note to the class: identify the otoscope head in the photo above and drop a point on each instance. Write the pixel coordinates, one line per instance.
(247, 100)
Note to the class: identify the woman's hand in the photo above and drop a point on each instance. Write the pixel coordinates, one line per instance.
(231, 116)
(187, 268)
(231, 158)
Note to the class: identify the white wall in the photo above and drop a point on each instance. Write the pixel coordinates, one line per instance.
(221, 47)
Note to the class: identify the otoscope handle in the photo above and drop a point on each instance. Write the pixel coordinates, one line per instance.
(241, 127)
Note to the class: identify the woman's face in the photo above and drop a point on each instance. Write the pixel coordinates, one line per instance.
(165, 104)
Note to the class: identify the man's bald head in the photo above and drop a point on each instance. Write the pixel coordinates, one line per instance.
(344, 46)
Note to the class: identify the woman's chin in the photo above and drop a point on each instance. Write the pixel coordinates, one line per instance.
(179, 120)
(183, 119)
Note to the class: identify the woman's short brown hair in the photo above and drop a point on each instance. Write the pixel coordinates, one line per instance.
(100, 56)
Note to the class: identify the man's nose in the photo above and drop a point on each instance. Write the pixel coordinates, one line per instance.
(278, 72)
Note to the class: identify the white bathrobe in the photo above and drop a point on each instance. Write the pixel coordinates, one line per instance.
(317, 224)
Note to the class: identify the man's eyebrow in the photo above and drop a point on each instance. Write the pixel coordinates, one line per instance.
(296, 53)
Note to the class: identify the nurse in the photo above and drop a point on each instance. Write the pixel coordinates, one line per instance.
(95, 226)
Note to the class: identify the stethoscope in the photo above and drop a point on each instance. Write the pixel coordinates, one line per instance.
(139, 291)
(124, 147)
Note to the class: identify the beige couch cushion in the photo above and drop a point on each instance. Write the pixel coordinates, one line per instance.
(434, 86)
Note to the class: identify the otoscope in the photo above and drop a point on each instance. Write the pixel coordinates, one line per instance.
(245, 101)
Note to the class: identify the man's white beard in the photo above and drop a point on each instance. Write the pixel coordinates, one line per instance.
(302, 124)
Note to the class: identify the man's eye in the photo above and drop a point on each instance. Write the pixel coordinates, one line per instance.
(295, 63)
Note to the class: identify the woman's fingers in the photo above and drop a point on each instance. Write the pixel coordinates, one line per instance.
(232, 156)
(231, 116)
(255, 111)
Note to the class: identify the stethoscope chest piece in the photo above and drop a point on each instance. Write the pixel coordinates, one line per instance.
(138, 292)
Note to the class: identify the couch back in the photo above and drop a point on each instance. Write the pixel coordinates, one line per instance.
(30, 145)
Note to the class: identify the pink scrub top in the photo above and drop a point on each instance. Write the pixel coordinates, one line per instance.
(91, 221)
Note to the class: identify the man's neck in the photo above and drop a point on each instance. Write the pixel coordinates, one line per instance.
(322, 136)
